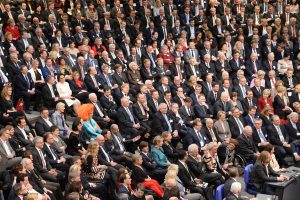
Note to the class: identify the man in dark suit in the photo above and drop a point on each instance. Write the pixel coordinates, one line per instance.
(25, 89)
(280, 139)
(188, 178)
(247, 148)
(236, 123)
(214, 95)
(241, 88)
(249, 101)
(141, 111)
(233, 176)
(201, 108)
(149, 163)
(194, 162)
(222, 104)
(257, 90)
(129, 124)
(93, 82)
(56, 161)
(49, 93)
(43, 123)
(107, 101)
(187, 111)
(260, 136)
(162, 122)
(210, 131)
(42, 165)
(195, 136)
(293, 128)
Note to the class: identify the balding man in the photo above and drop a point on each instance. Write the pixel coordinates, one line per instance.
(247, 148)
(293, 128)
(162, 121)
(279, 137)
(129, 123)
(210, 131)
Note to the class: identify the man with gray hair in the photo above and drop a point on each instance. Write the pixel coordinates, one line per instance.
(162, 121)
(8, 155)
(194, 162)
(42, 165)
(38, 183)
(235, 191)
(100, 115)
(247, 148)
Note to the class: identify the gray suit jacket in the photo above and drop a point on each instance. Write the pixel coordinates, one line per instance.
(58, 119)
(221, 131)
(188, 55)
(2, 150)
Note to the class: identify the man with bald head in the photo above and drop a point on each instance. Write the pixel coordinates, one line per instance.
(210, 131)
(247, 148)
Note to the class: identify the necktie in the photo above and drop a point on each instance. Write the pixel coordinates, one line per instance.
(200, 139)
(179, 72)
(105, 154)
(215, 96)
(261, 136)
(168, 123)
(280, 134)
(119, 143)
(244, 91)
(130, 115)
(142, 109)
(95, 82)
(108, 81)
(42, 158)
(240, 125)
(250, 103)
(193, 55)
(52, 152)
(152, 61)
(213, 136)
(99, 110)
(27, 80)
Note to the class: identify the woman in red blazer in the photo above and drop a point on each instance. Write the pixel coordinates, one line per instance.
(13, 29)
(265, 100)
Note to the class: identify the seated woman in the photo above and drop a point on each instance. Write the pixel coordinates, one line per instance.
(259, 175)
(65, 93)
(266, 115)
(85, 112)
(281, 103)
(222, 126)
(265, 100)
(75, 146)
(7, 110)
(59, 120)
(140, 175)
(169, 150)
(273, 163)
(78, 88)
(227, 156)
(158, 153)
(59, 144)
(212, 172)
(63, 68)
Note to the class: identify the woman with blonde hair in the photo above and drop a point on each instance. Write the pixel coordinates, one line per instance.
(281, 102)
(78, 88)
(265, 100)
(211, 167)
(158, 153)
(7, 108)
(266, 115)
(36, 75)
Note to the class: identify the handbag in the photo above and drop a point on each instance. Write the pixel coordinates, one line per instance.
(20, 105)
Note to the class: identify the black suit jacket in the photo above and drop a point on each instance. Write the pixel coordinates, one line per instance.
(274, 137)
(259, 176)
(124, 118)
(90, 84)
(23, 142)
(160, 125)
(209, 137)
(38, 163)
(185, 176)
(292, 132)
(195, 166)
(246, 147)
(256, 137)
(41, 126)
(234, 128)
(47, 97)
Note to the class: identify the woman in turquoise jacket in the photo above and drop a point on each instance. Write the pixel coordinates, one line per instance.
(158, 153)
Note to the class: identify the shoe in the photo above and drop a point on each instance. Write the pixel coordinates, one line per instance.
(28, 112)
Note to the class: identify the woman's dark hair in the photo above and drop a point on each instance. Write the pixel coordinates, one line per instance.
(53, 128)
(60, 59)
(269, 147)
(75, 124)
(27, 154)
(21, 177)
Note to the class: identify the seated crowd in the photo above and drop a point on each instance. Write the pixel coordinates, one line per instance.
(142, 100)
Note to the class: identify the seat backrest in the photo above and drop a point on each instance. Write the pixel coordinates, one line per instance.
(219, 192)
(247, 171)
